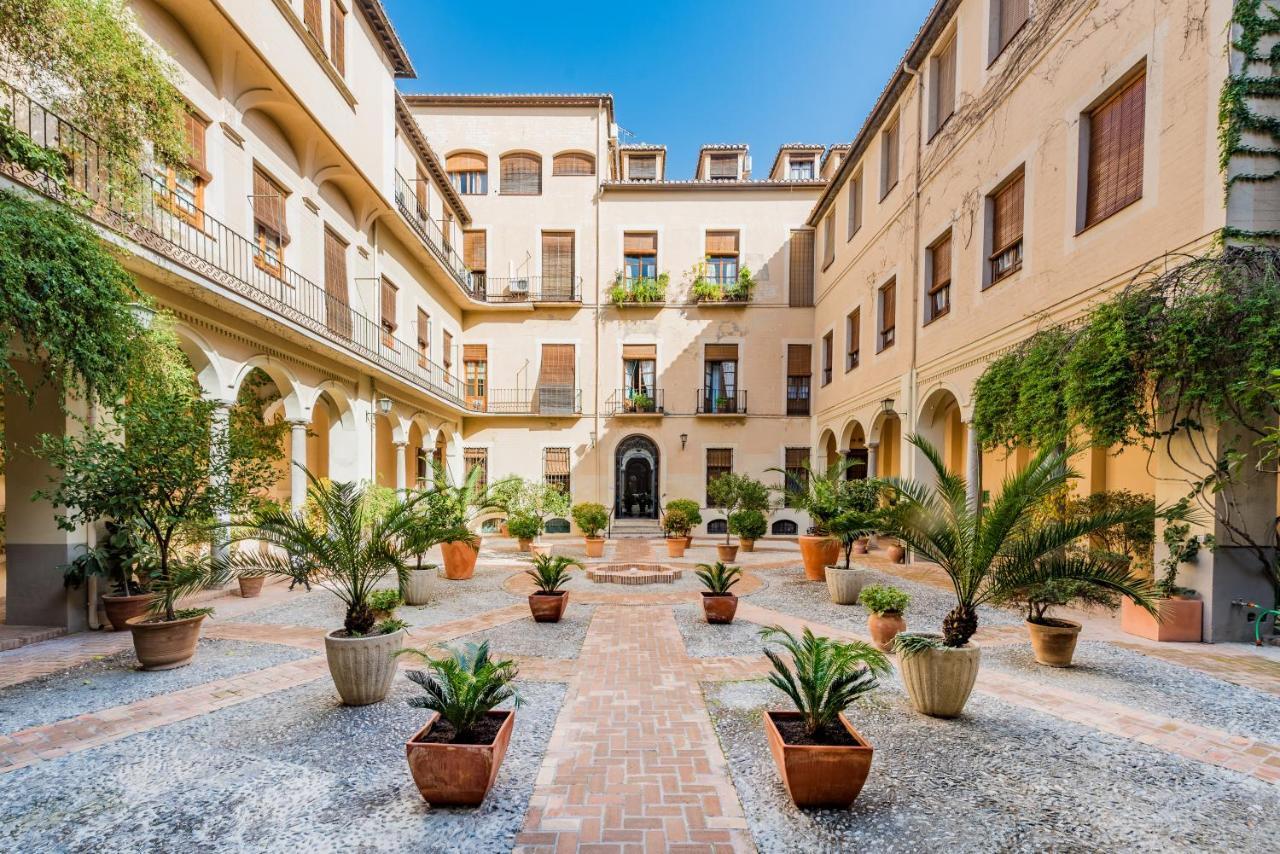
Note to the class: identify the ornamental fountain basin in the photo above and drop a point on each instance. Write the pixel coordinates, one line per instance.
(633, 573)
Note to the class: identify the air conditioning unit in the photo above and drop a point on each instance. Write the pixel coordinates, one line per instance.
(519, 286)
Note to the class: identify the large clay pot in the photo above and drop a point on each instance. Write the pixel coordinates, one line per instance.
(166, 644)
(688, 541)
(819, 775)
(362, 668)
(896, 553)
(883, 628)
(525, 544)
(457, 774)
(746, 545)
(121, 609)
(417, 590)
(939, 681)
(676, 546)
(1180, 620)
(860, 546)
(1055, 642)
(595, 546)
(726, 554)
(251, 585)
(818, 552)
(459, 560)
(845, 585)
(548, 607)
(719, 607)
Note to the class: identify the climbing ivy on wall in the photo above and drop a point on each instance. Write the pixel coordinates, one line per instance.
(1237, 115)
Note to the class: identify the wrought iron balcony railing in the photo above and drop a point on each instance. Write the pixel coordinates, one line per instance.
(553, 400)
(722, 402)
(515, 289)
(630, 401)
(430, 233)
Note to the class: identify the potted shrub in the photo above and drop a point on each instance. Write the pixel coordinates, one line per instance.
(675, 524)
(112, 560)
(453, 507)
(823, 760)
(1178, 612)
(988, 555)
(718, 603)
(346, 547)
(424, 533)
(550, 574)
(383, 603)
(525, 528)
(455, 757)
(818, 494)
(749, 526)
(592, 518)
(693, 514)
(529, 505)
(735, 493)
(886, 606)
(860, 515)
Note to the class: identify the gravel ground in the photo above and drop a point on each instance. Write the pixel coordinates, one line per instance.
(1000, 778)
(290, 772)
(547, 640)
(704, 640)
(115, 681)
(1123, 676)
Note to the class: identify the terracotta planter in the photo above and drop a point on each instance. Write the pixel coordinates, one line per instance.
(1054, 645)
(818, 552)
(251, 585)
(746, 545)
(121, 609)
(1180, 620)
(457, 774)
(719, 607)
(459, 560)
(819, 775)
(167, 644)
(548, 607)
(676, 546)
(883, 628)
(896, 553)
(845, 585)
(362, 668)
(417, 590)
(860, 546)
(594, 546)
(688, 541)
(939, 681)
(525, 544)
(726, 553)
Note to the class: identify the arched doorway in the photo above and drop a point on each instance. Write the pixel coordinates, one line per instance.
(636, 479)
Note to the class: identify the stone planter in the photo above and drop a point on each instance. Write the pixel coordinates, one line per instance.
(726, 554)
(251, 586)
(1180, 620)
(845, 585)
(548, 607)
(1055, 642)
(818, 552)
(896, 553)
(883, 628)
(676, 546)
(939, 681)
(594, 546)
(540, 549)
(362, 668)
(746, 545)
(459, 560)
(457, 774)
(819, 775)
(719, 607)
(165, 644)
(417, 590)
(121, 609)
(525, 544)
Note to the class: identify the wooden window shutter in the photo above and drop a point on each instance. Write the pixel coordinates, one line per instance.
(555, 462)
(446, 352)
(639, 351)
(573, 163)
(557, 259)
(801, 272)
(557, 367)
(337, 309)
(466, 162)
(799, 360)
(1013, 14)
(941, 253)
(424, 332)
(853, 336)
(642, 167)
(888, 306)
(475, 250)
(477, 458)
(889, 144)
(1006, 215)
(722, 243)
(855, 205)
(720, 458)
(475, 352)
(722, 352)
(828, 239)
(1115, 152)
(796, 457)
(388, 306)
(522, 175)
(724, 166)
(268, 205)
(195, 132)
(640, 243)
(338, 37)
(311, 17)
(945, 85)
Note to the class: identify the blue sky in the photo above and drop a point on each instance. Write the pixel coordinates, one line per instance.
(762, 72)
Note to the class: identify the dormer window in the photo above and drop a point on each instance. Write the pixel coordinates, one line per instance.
(642, 167)
(800, 169)
(723, 167)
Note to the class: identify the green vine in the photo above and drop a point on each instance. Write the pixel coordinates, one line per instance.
(1236, 117)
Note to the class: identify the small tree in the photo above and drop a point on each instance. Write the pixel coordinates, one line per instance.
(732, 493)
(591, 518)
(817, 493)
(861, 513)
(691, 509)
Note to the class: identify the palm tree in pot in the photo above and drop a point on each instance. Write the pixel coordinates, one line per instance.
(550, 573)
(719, 603)
(817, 493)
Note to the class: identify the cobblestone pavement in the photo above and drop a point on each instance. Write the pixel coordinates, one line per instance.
(625, 752)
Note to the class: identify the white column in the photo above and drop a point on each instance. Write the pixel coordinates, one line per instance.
(297, 469)
(219, 436)
(401, 476)
(873, 449)
(973, 465)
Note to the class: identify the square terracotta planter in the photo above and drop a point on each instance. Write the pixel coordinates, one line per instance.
(1180, 620)
(457, 774)
(548, 607)
(819, 775)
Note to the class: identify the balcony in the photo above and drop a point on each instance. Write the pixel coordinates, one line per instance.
(722, 402)
(430, 233)
(148, 214)
(556, 401)
(624, 402)
(713, 291)
(528, 289)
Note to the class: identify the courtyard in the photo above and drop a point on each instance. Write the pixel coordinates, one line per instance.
(640, 730)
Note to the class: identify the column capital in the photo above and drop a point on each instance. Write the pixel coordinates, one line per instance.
(400, 443)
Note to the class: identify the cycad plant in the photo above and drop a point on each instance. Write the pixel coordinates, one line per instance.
(817, 492)
(718, 578)
(828, 675)
(551, 572)
(992, 552)
(463, 686)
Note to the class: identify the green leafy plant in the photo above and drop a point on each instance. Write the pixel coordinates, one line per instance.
(389, 626)
(734, 493)
(861, 513)
(827, 677)
(718, 578)
(1038, 600)
(818, 493)
(17, 147)
(463, 687)
(640, 402)
(113, 558)
(748, 524)
(524, 526)
(385, 601)
(451, 507)
(1183, 547)
(691, 509)
(675, 522)
(907, 644)
(524, 499)
(550, 572)
(591, 518)
(882, 599)
(641, 290)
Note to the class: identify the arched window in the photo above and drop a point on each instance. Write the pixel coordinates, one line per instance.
(491, 526)
(469, 172)
(718, 526)
(784, 528)
(557, 526)
(521, 175)
(573, 163)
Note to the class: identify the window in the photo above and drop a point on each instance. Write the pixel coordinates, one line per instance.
(338, 36)
(888, 314)
(446, 353)
(185, 184)
(720, 379)
(852, 338)
(719, 461)
(573, 163)
(420, 184)
(555, 468)
(521, 175)
(556, 372)
(855, 205)
(801, 272)
(476, 458)
(722, 257)
(718, 526)
(888, 159)
(723, 167)
(270, 232)
(642, 167)
(796, 468)
(311, 17)
(475, 375)
(1008, 16)
(938, 299)
(475, 251)
(639, 374)
(469, 173)
(1005, 257)
(337, 308)
(800, 169)
(387, 305)
(943, 103)
(446, 229)
(828, 356)
(799, 362)
(1114, 179)
(784, 528)
(558, 266)
(828, 239)
(640, 255)
(424, 339)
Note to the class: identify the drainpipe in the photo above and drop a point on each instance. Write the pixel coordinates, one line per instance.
(596, 319)
(915, 248)
(91, 537)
